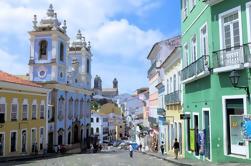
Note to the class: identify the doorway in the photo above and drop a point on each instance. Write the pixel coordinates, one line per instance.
(180, 137)
(69, 138)
(76, 140)
(235, 143)
(24, 141)
(1, 144)
(207, 131)
(50, 141)
(196, 132)
(60, 139)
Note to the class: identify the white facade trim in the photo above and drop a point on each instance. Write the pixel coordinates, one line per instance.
(3, 101)
(201, 38)
(224, 98)
(248, 13)
(221, 16)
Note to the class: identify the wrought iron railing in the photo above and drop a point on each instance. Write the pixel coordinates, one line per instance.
(229, 56)
(173, 98)
(195, 68)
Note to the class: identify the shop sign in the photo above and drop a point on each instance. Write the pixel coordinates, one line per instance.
(247, 127)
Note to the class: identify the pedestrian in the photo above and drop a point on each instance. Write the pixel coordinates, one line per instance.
(131, 150)
(140, 147)
(176, 147)
(162, 148)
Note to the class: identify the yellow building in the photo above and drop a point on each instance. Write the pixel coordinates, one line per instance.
(23, 116)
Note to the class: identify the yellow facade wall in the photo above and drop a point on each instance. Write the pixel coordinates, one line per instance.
(19, 125)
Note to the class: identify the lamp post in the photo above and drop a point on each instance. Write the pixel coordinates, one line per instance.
(234, 78)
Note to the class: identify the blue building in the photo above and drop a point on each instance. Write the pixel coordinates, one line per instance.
(64, 67)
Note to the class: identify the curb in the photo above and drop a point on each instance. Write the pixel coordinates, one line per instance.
(169, 160)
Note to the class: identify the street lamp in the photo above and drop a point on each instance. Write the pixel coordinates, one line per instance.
(234, 78)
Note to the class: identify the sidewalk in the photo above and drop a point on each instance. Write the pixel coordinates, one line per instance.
(188, 162)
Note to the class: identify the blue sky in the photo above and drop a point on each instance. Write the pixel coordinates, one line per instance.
(122, 33)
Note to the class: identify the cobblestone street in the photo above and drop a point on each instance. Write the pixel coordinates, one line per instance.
(120, 158)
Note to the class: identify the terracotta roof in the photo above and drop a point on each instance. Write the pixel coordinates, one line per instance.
(5, 77)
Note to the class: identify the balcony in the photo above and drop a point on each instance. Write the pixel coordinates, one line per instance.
(230, 58)
(161, 112)
(212, 2)
(173, 98)
(151, 68)
(195, 70)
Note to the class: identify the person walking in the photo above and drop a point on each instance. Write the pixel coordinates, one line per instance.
(131, 150)
(176, 147)
(162, 148)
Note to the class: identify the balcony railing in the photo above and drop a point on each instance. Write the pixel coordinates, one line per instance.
(173, 98)
(229, 56)
(152, 67)
(195, 68)
(212, 2)
(161, 111)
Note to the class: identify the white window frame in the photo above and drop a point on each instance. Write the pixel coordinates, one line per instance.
(4, 144)
(187, 113)
(14, 101)
(31, 143)
(25, 102)
(186, 55)
(194, 44)
(171, 84)
(248, 13)
(224, 98)
(33, 103)
(192, 4)
(202, 36)
(21, 136)
(42, 104)
(13, 131)
(221, 19)
(3, 101)
(184, 9)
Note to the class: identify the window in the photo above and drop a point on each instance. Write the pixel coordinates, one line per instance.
(171, 82)
(33, 139)
(2, 113)
(61, 108)
(204, 40)
(192, 4)
(97, 130)
(13, 112)
(97, 120)
(231, 30)
(179, 78)
(76, 109)
(184, 14)
(167, 86)
(88, 66)
(91, 119)
(81, 108)
(186, 56)
(13, 141)
(25, 112)
(61, 58)
(34, 111)
(70, 109)
(43, 50)
(41, 111)
(194, 49)
(91, 130)
(174, 82)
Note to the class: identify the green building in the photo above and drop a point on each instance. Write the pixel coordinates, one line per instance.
(215, 44)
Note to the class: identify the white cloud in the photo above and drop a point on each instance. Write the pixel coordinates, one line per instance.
(12, 63)
(119, 38)
(110, 37)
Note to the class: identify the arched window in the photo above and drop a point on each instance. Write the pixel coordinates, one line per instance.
(88, 66)
(43, 50)
(97, 130)
(70, 109)
(174, 82)
(61, 52)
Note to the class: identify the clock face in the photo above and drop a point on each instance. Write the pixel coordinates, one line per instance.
(42, 72)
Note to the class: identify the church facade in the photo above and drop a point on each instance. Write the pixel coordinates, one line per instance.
(65, 68)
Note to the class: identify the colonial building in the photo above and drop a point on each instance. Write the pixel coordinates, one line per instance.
(23, 116)
(66, 69)
(216, 78)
